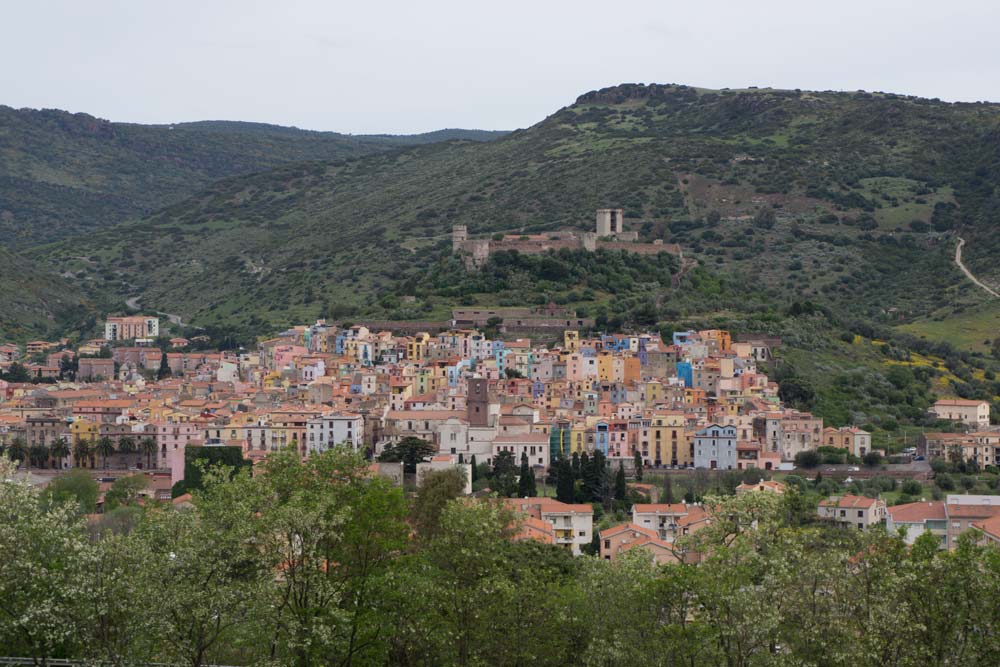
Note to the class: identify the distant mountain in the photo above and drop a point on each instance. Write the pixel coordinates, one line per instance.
(63, 174)
(846, 199)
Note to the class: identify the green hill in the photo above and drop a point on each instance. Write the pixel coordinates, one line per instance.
(35, 303)
(63, 174)
(848, 199)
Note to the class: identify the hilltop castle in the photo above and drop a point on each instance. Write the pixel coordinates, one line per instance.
(609, 235)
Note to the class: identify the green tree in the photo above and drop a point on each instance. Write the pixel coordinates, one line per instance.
(504, 474)
(637, 464)
(60, 451)
(808, 459)
(127, 445)
(164, 369)
(436, 489)
(148, 448)
(621, 489)
(668, 490)
(409, 451)
(81, 452)
(526, 479)
(17, 450)
(125, 491)
(104, 448)
(43, 559)
(565, 482)
(872, 459)
(38, 455)
(75, 487)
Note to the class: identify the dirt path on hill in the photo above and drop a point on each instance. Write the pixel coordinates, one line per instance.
(968, 274)
(133, 303)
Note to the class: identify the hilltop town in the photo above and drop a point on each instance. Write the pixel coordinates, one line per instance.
(696, 403)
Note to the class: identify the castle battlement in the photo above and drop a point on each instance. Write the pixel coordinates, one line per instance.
(608, 235)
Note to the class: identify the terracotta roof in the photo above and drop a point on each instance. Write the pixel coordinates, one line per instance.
(660, 508)
(626, 527)
(848, 502)
(918, 512)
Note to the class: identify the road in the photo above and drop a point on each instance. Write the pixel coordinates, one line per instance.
(968, 274)
(133, 303)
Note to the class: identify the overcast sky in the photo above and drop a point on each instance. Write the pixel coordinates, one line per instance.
(426, 64)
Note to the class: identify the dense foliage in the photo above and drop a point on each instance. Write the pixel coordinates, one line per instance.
(314, 563)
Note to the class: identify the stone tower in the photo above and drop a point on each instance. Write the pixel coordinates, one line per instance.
(477, 403)
(609, 221)
(459, 235)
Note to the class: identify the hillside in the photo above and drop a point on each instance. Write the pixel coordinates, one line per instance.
(36, 303)
(848, 199)
(63, 174)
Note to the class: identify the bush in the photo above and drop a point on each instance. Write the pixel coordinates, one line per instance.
(807, 459)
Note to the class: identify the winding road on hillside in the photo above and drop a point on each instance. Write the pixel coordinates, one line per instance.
(133, 303)
(968, 274)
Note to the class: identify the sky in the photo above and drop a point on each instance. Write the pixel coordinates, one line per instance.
(421, 65)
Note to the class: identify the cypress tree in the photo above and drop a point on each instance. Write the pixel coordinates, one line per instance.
(164, 371)
(564, 481)
(475, 471)
(668, 490)
(576, 465)
(588, 473)
(620, 487)
(637, 464)
(526, 481)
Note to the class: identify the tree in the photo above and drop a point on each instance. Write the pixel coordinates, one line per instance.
(526, 480)
(17, 450)
(38, 455)
(668, 490)
(59, 450)
(43, 559)
(475, 468)
(147, 447)
(637, 463)
(576, 466)
(621, 489)
(504, 474)
(75, 487)
(105, 447)
(436, 489)
(125, 491)
(808, 459)
(871, 459)
(17, 373)
(164, 370)
(409, 451)
(81, 452)
(126, 445)
(565, 482)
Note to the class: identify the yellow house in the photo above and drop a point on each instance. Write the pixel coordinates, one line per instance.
(668, 443)
(82, 429)
(416, 347)
(571, 340)
(653, 391)
(605, 366)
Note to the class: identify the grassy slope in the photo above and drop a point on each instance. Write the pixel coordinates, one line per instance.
(64, 174)
(34, 302)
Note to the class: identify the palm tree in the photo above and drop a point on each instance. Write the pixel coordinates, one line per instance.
(17, 449)
(59, 450)
(38, 454)
(81, 450)
(126, 445)
(148, 447)
(105, 448)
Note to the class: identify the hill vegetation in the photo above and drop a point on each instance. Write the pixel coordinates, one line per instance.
(63, 174)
